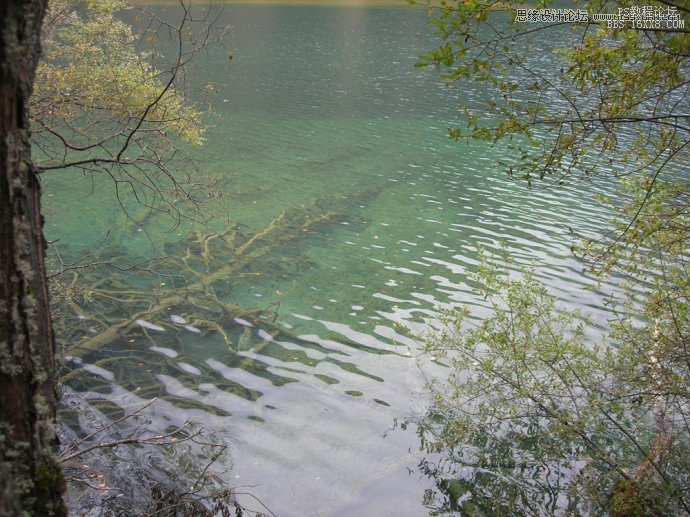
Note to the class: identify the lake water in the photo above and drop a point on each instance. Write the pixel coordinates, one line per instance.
(321, 117)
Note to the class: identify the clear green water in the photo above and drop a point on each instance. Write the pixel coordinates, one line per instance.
(322, 108)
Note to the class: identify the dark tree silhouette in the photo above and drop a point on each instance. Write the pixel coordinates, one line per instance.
(31, 481)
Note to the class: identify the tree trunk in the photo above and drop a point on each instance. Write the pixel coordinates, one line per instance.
(31, 481)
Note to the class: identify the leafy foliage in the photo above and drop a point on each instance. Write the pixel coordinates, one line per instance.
(105, 104)
(535, 419)
(91, 66)
(612, 97)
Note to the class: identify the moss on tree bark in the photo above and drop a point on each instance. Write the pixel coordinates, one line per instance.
(31, 481)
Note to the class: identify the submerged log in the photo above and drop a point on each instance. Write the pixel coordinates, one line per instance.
(289, 225)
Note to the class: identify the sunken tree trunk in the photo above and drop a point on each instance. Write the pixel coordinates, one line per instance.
(31, 481)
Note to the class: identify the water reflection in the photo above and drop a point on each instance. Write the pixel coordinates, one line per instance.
(347, 223)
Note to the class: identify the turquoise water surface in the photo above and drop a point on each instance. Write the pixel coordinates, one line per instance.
(323, 131)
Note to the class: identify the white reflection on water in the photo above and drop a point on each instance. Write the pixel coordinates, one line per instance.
(326, 109)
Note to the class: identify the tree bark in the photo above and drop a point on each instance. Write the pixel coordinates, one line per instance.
(31, 481)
